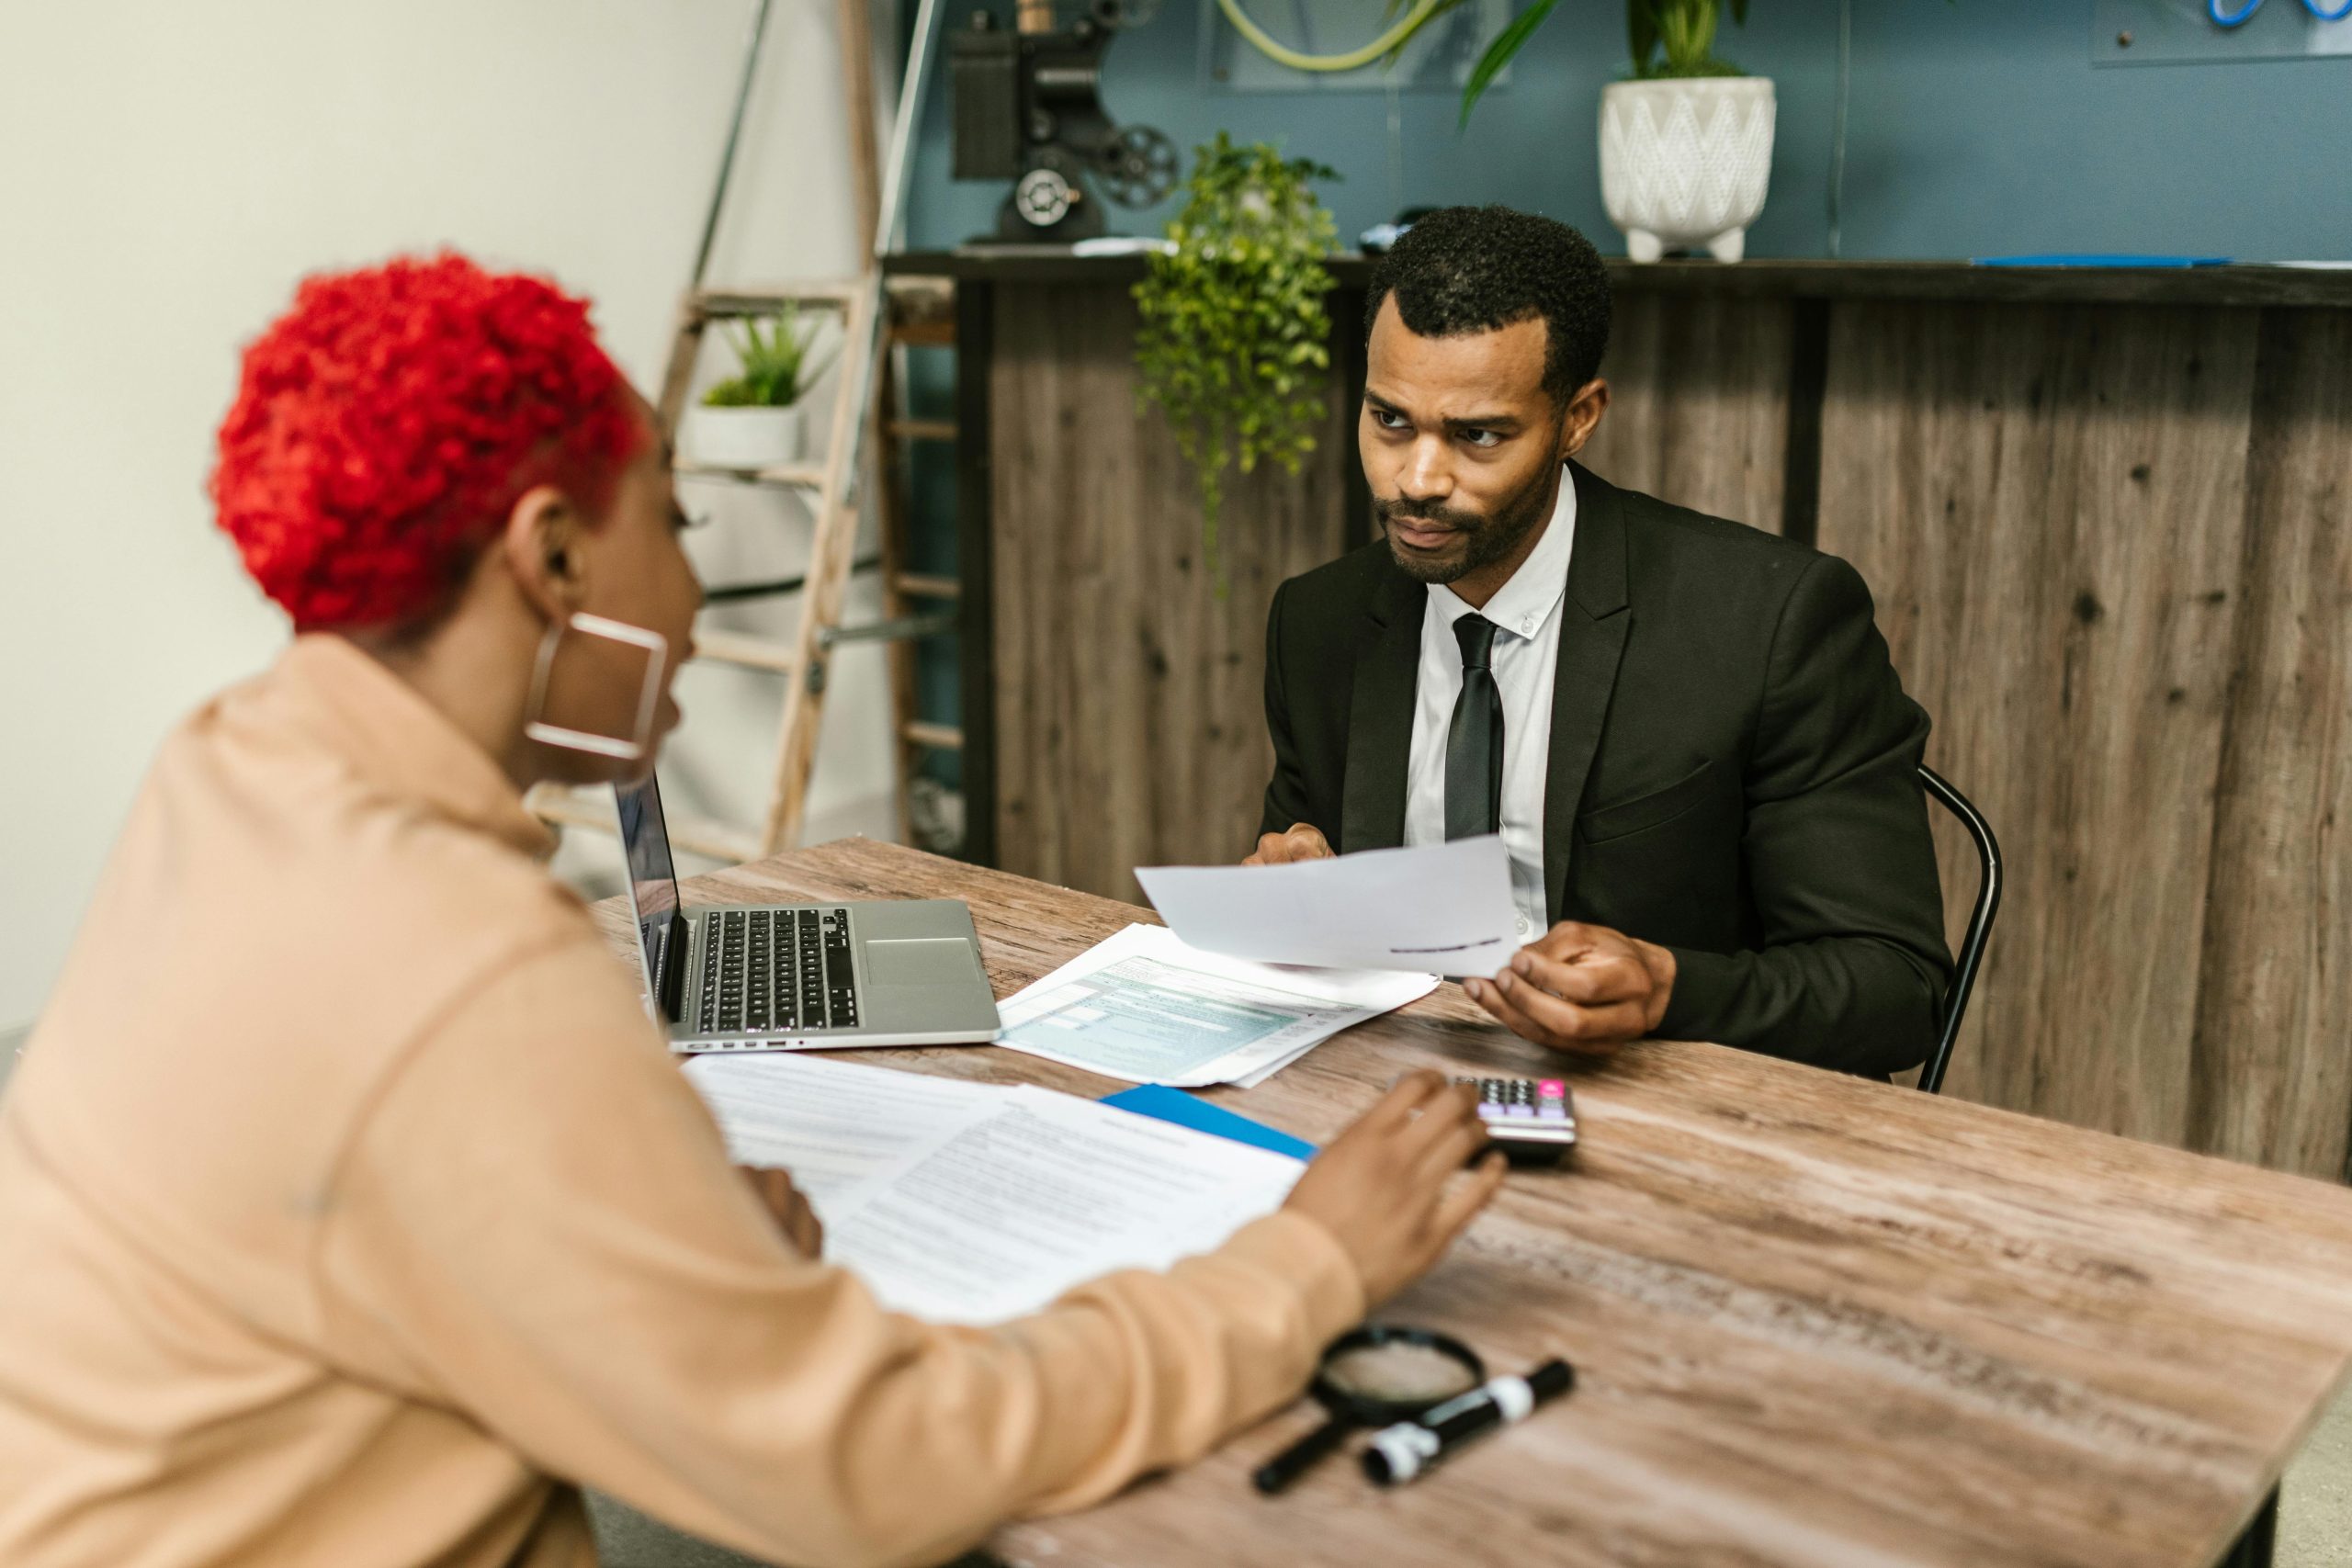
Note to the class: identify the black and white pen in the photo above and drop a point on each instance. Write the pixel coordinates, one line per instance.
(1402, 1451)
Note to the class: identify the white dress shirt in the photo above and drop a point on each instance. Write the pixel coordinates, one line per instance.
(1526, 613)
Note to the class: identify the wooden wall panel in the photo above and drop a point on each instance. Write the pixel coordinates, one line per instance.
(2049, 503)
(1130, 722)
(1699, 409)
(2272, 1059)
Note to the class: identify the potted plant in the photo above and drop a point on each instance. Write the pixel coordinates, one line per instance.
(1686, 145)
(1232, 344)
(754, 419)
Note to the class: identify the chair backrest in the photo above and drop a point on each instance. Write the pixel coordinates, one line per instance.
(1980, 922)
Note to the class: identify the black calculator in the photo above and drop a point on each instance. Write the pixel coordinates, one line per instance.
(1533, 1120)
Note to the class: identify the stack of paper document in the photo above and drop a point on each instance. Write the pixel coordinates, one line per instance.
(1147, 1008)
(975, 1202)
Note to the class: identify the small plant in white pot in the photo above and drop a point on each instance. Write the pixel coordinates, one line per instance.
(1686, 146)
(754, 419)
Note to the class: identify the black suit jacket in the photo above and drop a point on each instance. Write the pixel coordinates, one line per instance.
(1734, 771)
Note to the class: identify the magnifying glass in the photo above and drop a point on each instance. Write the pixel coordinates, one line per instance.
(1374, 1377)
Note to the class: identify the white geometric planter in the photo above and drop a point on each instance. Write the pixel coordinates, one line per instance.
(1685, 163)
(744, 437)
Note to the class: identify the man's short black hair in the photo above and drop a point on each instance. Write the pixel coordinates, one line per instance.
(1473, 269)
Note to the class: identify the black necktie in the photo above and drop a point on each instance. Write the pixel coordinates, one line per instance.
(1473, 741)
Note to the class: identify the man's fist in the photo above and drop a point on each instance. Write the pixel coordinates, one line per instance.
(1305, 841)
(1580, 988)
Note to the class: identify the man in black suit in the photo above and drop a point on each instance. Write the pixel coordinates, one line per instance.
(1687, 731)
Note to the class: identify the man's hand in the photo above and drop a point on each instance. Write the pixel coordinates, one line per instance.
(793, 1215)
(1305, 841)
(1579, 987)
(1380, 1187)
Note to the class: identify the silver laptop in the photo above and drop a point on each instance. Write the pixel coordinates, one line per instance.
(795, 977)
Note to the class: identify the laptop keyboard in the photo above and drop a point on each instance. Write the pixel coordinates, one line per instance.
(777, 972)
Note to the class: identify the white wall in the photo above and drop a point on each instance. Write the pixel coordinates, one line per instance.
(169, 168)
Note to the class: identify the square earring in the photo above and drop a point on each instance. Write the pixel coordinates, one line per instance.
(657, 650)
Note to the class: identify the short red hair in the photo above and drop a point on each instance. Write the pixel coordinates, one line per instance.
(385, 426)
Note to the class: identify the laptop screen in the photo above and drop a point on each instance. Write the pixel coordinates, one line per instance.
(652, 882)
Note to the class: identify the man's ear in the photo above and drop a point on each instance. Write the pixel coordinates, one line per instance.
(1583, 416)
(543, 545)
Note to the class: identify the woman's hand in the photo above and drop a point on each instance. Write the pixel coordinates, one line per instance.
(1381, 1187)
(783, 1200)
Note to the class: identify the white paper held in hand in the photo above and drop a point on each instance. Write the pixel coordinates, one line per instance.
(1443, 908)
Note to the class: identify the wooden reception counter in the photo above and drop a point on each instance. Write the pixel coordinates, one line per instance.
(2107, 516)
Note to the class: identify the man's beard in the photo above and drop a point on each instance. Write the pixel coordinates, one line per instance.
(1485, 539)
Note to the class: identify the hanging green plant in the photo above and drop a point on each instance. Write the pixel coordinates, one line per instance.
(1233, 341)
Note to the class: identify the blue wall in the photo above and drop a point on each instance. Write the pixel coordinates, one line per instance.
(1977, 127)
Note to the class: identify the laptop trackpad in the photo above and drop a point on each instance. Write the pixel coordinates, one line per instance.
(921, 961)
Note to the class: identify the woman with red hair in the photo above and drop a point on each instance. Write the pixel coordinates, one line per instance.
(351, 1210)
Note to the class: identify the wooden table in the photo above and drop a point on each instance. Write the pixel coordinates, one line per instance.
(1816, 1321)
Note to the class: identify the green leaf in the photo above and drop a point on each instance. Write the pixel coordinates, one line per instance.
(1498, 53)
(1687, 29)
(776, 368)
(1641, 32)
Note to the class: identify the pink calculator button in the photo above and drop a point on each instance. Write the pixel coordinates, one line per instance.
(1553, 1088)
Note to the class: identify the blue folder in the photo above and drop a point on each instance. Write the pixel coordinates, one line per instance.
(1166, 1105)
(2076, 259)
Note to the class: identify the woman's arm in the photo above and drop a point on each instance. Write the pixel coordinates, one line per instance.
(540, 1226)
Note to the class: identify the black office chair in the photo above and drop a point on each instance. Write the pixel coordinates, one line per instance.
(1980, 922)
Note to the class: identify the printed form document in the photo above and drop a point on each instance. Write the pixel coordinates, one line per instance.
(1144, 1006)
(973, 1203)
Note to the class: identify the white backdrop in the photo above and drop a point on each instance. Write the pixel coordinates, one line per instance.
(169, 168)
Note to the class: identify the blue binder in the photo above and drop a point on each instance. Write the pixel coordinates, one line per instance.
(2074, 259)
